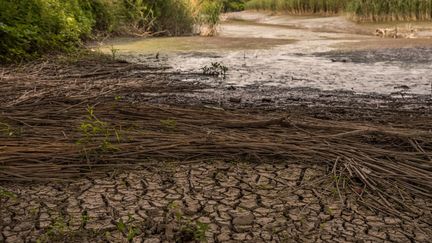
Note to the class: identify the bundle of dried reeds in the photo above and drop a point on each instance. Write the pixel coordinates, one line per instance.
(60, 130)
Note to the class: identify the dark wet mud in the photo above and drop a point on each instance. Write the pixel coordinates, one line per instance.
(294, 53)
(405, 57)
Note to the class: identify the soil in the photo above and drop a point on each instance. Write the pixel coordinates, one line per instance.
(260, 200)
(325, 53)
(253, 186)
(238, 201)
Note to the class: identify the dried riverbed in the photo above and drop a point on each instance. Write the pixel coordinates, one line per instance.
(236, 202)
(255, 181)
(278, 151)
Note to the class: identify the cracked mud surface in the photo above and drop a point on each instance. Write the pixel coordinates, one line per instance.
(233, 202)
(226, 201)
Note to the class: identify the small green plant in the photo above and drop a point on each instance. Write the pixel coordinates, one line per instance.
(169, 123)
(127, 228)
(118, 98)
(200, 231)
(57, 228)
(8, 130)
(84, 218)
(215, 69)
(173, 207)
(323, 225)
(188, 230)
(121, 226)
(114, 52)
(7, 194)
(34, 211)
(132, 233)
(92, 129)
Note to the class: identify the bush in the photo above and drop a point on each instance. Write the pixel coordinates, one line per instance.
(210, 13)
(173, 16)
(29, 28)
(233, 5)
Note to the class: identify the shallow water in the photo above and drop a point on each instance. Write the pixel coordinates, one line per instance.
(291, 52)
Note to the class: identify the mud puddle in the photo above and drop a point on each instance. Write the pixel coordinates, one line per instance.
(293, 52)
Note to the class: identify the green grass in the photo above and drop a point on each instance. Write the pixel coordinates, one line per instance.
(360, 10)
(210, 13)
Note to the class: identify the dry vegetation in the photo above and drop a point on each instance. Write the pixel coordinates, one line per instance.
(59, 122)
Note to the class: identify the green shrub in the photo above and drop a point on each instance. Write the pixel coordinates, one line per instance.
(173, 16)
(233, 5)
(29, 28)
(210, 13)
(103, 13)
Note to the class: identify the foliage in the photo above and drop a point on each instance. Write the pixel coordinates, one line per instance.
(233, 5)
(299, 6)
(29, 28)
(56, 229)
(363, 10)
(210, 13)
(128, 228)
(175, 17)
(390, 10)
(7, 130)
(114, 54)
(188, 230)
(7, 194)
(215, 69)
(169, 124)
(93, 128)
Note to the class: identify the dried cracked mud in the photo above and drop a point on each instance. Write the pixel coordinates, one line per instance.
(233, 201)
(213, 202)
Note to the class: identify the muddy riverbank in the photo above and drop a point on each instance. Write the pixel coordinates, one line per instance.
(325, 53)
(173, 160)
(304, 139)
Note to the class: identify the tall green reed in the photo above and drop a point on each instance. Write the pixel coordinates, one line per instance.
(360, 10)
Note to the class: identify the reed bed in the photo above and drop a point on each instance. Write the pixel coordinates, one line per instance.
(359, 10)
(390, 10)
(69, 122)
(326, 7)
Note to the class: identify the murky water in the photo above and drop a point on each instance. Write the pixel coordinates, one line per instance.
(292, 52)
